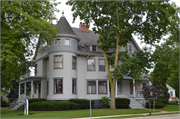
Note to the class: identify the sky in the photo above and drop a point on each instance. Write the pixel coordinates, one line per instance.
(68, 14)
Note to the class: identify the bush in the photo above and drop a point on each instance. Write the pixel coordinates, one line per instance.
(122, 102)
(37, 100)
(164, 101)
(83, 103)
(158, 104)
(4, 103)
(52, 106)
(105, 100)
(174, 102)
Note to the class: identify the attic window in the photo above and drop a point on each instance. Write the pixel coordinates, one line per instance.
(94, 48)
(67, 42)
(57, 42)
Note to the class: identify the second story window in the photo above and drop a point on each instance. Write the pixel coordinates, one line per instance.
(101, 65)
(91, 64)
(73, 62)
(58, 62)
(129, 48)
(67, 42)
(57, 42)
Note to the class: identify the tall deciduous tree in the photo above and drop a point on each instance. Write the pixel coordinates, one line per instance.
(115, 21)
(22, 21)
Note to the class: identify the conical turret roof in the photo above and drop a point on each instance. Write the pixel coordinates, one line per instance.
(64, 27)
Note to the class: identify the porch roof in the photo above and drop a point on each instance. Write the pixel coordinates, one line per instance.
(32, 78)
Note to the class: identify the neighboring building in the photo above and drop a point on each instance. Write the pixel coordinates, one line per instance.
(73, 65)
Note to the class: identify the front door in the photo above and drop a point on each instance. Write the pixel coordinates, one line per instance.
(39, 91)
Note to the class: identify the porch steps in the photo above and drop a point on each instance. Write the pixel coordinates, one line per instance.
(18, 105)
(135, 104)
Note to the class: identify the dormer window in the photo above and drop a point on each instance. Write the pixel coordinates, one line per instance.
(57, 42)
(94, 48)
(67, 42)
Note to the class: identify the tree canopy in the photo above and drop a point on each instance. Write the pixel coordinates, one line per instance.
(21, 23)
(116, 21)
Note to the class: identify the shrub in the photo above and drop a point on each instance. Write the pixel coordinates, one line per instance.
(105, 100)
(164, 101)
(158, 104)
(122, 102)
(37, 100)
(83, 103)
(174, 102)
(4, 103)
(52, 106)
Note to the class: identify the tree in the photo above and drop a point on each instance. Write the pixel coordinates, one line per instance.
(21, 23)
(116, 21)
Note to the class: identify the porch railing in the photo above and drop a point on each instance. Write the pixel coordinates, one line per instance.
(121, 95)
(22, 96)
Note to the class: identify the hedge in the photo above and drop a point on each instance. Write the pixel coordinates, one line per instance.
(52, 106)
(37, 100)
(174, 102)
(83, 103)
(164, 101)
(158, 104)
(122, 102)
(4, 103)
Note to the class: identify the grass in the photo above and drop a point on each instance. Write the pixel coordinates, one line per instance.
(5, 113)
(70, 113)
(169, 108)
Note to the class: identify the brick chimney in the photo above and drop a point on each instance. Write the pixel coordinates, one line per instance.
(83, 27)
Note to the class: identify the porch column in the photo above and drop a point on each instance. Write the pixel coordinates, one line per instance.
(19, 95)
(116, 89)
(32, 92)
(134, 89)
(24, 90)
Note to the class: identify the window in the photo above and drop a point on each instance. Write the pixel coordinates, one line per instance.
(58, 86)
(94, 48)
(129, 46)
(102, 87)
(58, 62)
(91, 86)
(131, 87)
(73, 62)
(171, 93)
(57, 42)
(119, 87)
(74, 86)
(47, 87)
(67, 42)
(91, 64)
(101, 65)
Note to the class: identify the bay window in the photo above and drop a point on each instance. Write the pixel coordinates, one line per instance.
(58, 86)
(58, 62)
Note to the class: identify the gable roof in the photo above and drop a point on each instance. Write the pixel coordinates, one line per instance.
(87, 38)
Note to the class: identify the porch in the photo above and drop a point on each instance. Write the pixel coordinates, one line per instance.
(31, 87)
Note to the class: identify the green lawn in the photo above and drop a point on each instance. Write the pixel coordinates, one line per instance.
(70, 113)
(170, 108)
(5, 113)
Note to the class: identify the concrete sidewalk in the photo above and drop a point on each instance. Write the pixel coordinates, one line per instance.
(136, 117)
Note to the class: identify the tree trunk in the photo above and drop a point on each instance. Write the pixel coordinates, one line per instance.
(113, 90)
